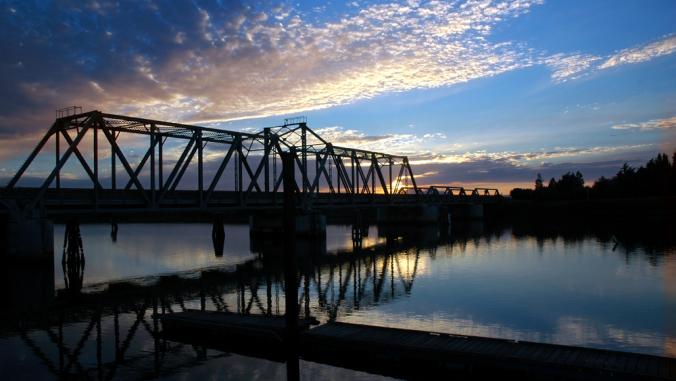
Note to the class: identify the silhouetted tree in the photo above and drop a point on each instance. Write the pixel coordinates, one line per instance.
(538, 182)
(656, 179)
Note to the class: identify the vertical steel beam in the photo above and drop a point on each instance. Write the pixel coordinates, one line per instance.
(303, 154)
(57, 156)
(338, 173)
(113, 170)
(317, 171)
(381, 178)
(160, 164)
(96, 164)
(391, 164)
(353, 172)
(410, 173)
(374, 166)
(200, 169)
(266, 158)
(153, 142)
(290, 263)
(274, 164)
(330, 174)
(240, 172)
(96, 152)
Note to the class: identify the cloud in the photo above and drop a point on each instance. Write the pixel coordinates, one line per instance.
(401, 144)
(642, 53)
(470, 165)
(212, 62)
(567, 67)
(521, 158)
(653, 124)
(208, 63)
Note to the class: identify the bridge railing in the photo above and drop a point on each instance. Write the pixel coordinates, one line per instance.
(450, 192)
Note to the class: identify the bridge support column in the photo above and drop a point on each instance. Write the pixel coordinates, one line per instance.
(29, 239)
(475, 211)
(27, 272)
(467, 212)
(444, 216)
(409, 215)
(218, 236)
(310, 225)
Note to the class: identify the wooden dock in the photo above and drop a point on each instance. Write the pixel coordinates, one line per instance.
(410, 354)
(252, 335)
(419, 354)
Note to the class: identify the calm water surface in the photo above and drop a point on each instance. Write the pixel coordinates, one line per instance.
(578, 289)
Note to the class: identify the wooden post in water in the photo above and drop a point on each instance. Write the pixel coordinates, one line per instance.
(290, 274)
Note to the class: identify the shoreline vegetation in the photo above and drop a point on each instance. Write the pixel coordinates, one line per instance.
(656, 179)
(633, 197)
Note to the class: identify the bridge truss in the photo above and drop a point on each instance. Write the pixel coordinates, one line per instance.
(233, 161)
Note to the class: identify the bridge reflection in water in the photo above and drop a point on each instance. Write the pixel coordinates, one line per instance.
(112, 329)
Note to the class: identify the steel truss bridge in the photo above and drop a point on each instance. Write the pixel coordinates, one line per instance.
(233, 169)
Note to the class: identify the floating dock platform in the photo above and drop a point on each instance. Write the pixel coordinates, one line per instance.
(411, 354)
(420, 354)
(252, 335)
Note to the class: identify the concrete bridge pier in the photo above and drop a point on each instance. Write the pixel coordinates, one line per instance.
(218, 236)
(308, 225)
(408, 215)
(113, 231)
(360, 230)
(27, 272)
(29, 239)
(444, 216)
(467, 212)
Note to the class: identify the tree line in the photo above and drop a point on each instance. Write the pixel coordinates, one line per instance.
(656, 179)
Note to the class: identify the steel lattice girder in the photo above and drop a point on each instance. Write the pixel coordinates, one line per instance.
(266, 146)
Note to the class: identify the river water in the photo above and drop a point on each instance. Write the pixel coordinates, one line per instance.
(572, 286)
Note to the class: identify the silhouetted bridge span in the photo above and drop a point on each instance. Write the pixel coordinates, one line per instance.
(157, 168)
(149, 161)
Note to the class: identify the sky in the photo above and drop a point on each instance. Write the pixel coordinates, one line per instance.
(476, 93)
